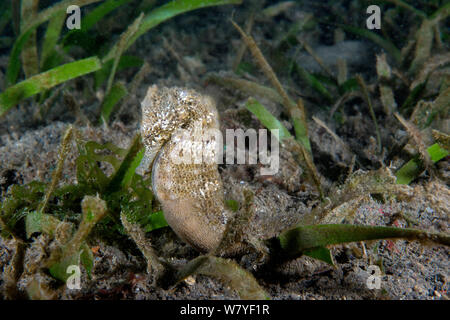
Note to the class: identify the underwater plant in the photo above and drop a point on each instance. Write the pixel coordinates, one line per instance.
(55, 48)
(126, 204)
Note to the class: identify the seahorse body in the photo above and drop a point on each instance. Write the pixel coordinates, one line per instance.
(191, 194)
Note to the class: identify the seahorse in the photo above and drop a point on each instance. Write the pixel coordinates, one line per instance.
(191, 193)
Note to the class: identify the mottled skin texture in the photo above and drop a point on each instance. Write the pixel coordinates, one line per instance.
(191, 194)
